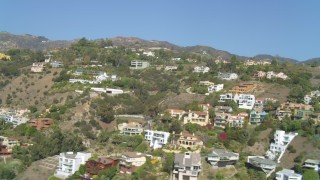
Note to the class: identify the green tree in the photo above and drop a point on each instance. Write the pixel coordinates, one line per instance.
(192, 128)
(108, 174)
(175, 127)
(168, 163)
(106, 113)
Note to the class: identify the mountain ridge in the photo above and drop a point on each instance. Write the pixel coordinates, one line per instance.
(41, 43)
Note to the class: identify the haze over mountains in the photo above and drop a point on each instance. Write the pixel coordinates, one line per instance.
(40, 43)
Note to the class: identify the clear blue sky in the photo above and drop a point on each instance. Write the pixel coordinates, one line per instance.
(289, 28)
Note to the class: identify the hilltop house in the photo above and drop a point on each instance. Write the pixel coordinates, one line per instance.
(156, 138)
(259, 162)
(222, 158)
(312, 164)
(171, 68)
(197, 117)
(129, 161)
(188, 141)
(70, 162)
(138, 64)
(282, 140)
(246, 101)
(201, 69)
(215, 88)
(187, 166)
(130, 129)
(228, 76)
(288, 174)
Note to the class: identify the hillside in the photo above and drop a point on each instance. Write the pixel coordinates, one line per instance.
(27, 41)
(40, 43)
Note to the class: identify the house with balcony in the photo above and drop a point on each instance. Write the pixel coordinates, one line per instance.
(187, 141)
(41, 123)
(69, 163)
(227, 96)
(221, 120)
(215, 88)
(138, 64)
(197, 117)
(235, 121)
(187, 166)
(201, 69)
(129, 161)
(257, 117)
(312, 164)
(222, 158)
(246, 101)
(156, 138)
(288, 174)
(261, 163)
(228, 76)
(130, 129)
(93, 167)
(280, 144)
(7, 144)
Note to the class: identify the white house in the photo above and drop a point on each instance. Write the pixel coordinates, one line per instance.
(313, 164)
(282, 140)
(228, 76)
(266, 165)
(308, 98)
(222, 158)
(70, 162)
(187, 166)
(201, 69)
(170, 68)
(156, 138)
(107, 90)
(149, 53)
(270, 74)
(215, 88)
(246, 101)
(225, 97)
(287, 174)
(56, 64)
(137, 64)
